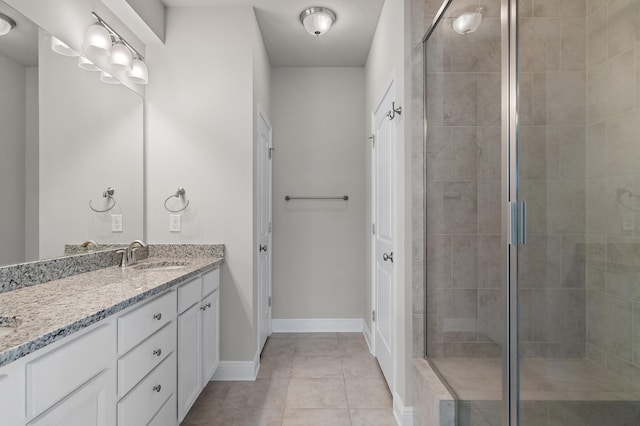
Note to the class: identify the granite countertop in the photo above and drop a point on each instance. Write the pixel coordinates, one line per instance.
(52, 310)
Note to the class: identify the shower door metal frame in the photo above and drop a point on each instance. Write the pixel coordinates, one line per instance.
(509, 194)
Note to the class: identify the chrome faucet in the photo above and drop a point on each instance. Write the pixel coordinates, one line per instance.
(88, 243)
(131, 252)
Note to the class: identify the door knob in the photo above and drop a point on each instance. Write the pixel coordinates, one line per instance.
(263, 248)
(386, 257)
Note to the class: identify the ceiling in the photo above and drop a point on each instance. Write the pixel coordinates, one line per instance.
(289, 45)
(21, 43)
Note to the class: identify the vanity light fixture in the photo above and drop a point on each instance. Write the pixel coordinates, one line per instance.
(123, 57)
(86, 64)
(105, 77)
(468, 22)
(6, 24)
(317, 20)
(61, 48)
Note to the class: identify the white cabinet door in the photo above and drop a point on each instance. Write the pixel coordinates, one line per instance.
(189, 350)
(12, 393)
(91, 405)
(210, 336)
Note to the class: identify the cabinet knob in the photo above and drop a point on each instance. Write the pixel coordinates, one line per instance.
(203, 307)
(157, 388)
(157, 352)
(157, 316)
(209, 305)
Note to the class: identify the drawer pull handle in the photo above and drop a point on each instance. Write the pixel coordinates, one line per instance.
(204, 307)
(157, 388)
(157, 352)
(209, 305)
(157, 316)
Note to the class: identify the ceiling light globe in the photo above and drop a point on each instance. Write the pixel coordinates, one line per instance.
(317, 20)
(467, 22)
(121, 58)
(98, 40)
(139, 73)
(6, 24)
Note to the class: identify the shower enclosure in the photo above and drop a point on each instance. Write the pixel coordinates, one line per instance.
(532, 210)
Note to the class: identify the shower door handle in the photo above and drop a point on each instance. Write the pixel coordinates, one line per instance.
(517, 223)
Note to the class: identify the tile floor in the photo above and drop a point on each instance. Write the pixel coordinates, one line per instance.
(305, 379)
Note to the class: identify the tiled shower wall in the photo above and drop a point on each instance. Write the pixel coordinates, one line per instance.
(613, 166)
(464, 313)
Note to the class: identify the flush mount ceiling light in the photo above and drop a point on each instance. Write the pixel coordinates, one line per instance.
(6, 24)
(61, 48)
(317, 20)
(468, 22)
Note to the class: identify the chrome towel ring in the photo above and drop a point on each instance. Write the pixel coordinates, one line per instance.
(108, 193)
(179, 193)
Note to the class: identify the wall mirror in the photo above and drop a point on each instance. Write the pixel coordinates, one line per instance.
(66, 137)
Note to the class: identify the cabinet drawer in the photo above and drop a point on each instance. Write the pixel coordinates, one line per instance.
(58, 373)
(144, 401)
(142, 322)
(138, 362)
(189, 294)
(210, 282)
(168, 414)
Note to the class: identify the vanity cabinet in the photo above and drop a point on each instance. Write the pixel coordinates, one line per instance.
(147, 368)
(73, 382)
(12, 393)
(198, 337)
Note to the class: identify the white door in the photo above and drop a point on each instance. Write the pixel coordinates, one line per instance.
(384, 141)
(264, 229)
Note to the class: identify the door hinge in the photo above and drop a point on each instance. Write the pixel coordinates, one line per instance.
(373, 140)
(269, 301)
(373, 316)
(517, 223)
(271, 152)
(373, 228)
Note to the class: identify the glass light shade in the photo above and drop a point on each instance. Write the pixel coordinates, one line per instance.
(467, 22)
(61, 48)
(317, 20)
(108, 78)
(6, 24)
(139, 73)
(120, 57)
(86, 64)
(98, 40)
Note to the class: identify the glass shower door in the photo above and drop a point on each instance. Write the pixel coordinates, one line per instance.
(578, 164)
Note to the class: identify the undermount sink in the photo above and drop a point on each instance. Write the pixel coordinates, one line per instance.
(161, 266)
(8, 325)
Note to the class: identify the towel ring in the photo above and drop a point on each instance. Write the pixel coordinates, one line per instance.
(179, 193)
(108, 193)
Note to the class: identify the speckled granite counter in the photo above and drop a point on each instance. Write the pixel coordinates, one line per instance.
(53, 310)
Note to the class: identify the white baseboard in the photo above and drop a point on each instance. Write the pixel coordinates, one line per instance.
(367, 336)
(320, 325)
(403, 415)
(237, 371)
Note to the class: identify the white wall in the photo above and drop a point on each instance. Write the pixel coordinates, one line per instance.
(318, 246)
(389, 57)
(200, 136)
(32, 165)
(12, 160)
(91, 137)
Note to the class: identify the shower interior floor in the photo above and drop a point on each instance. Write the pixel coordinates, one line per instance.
(541, 379)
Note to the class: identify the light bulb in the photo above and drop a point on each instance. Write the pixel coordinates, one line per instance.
(120, 57)
(139, 73)
(98, 40)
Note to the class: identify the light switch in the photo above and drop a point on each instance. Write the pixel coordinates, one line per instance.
(174, 223)
(116, 223)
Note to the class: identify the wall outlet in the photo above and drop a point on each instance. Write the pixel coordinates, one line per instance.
(174, 223)
(116, 223)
